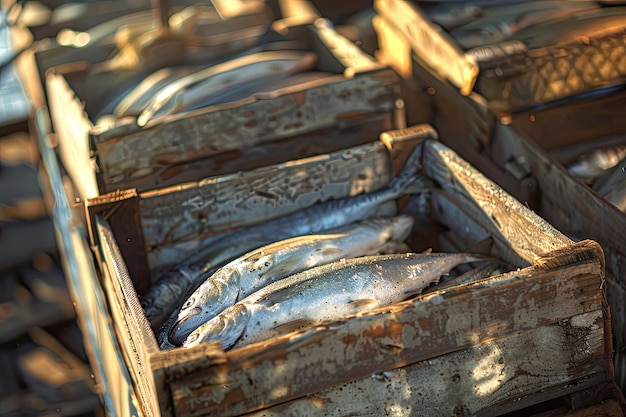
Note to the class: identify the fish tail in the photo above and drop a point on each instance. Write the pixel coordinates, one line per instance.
(410, 179)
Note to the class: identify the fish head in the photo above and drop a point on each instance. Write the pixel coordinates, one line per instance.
(226, 328)
(219, 292)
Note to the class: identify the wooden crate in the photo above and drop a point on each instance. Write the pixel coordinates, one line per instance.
(553, 311)
(559, 59)
(521, 151)
(353, 94)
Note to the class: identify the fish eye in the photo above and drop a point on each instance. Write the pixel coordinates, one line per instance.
(191, 338)
(188, 303)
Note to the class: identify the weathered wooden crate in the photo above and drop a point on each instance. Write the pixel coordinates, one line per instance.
(548, 62)
(352, 95)
(551, 310)
(520, 148)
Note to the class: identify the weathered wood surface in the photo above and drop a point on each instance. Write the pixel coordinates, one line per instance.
(72, 127)
(350, 133)
(121, 209)
(561, 286)
(572, 207)
(259, 119)
(574, 122)
(111, 374)
(505, 217)
(241, 199)
(300, 364)
(529, 366)
(133, 331)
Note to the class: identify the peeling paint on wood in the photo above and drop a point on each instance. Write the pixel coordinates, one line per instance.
(479, 380)
(239, 199)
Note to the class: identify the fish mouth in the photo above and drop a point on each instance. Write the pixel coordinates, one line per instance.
(179, 332)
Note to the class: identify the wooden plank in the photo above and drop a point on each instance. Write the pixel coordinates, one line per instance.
(300, 364)
(351, 133)
(259, 119)
(133, 332)
(479, 380)
(122, 211)
(573, 122)
(506, 218)
(111, 374)
(569, 205)
(240, 199)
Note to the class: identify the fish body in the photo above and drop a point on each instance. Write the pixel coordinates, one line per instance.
(161, 298)
(138, 98)
(270, 263)
(324, 293)
(187, 91)
(612, 185)
(592, 165)
(451, 16)
(500, 23)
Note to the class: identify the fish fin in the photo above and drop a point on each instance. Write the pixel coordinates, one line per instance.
(280, 269)
(363, 304)
(294, 326)
(330, 250)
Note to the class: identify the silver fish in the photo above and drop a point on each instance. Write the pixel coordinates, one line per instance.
(592, 165)
(451, 16)
(161, 298)
(324, 293)
(500, 23)
(256, 269)
(612, 185)
(187, 91)
(138, 98)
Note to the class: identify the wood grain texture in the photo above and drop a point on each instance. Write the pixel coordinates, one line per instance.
(260, 119)
(352, 133)
(508, 219)
(240, 199)
(567, 297)
(476, 381)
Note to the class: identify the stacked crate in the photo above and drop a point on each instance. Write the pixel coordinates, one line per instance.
(521, 108)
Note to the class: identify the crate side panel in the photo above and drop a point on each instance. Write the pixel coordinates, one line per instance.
(497, 376)
(240, 199)
(355, 132)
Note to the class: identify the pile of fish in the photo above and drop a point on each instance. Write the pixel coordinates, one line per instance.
(604, 170)
(477, 23)
(321, 263)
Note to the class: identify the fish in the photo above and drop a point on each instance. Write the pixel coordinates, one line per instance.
(593, 164)
(270, 263)
(499, 23)
(161, 297)
(475, 274)
(138, 98)
(324, 293)
(612, 185)
(451, 16)
(187, 91)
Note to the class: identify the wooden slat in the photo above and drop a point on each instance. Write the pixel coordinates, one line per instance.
(241, 199)
(355, 132)
(479, 380)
